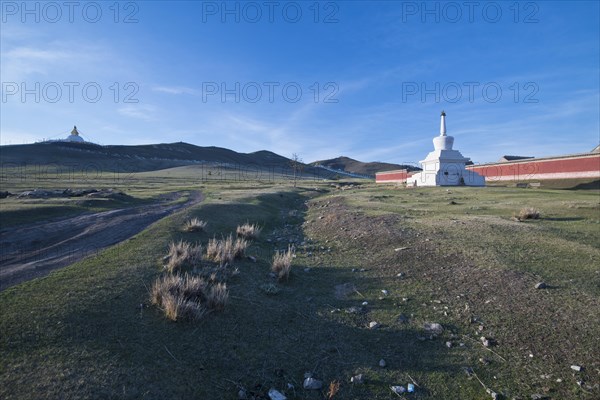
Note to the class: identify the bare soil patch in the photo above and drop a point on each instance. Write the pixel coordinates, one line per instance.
(536, 334)
(33, 251)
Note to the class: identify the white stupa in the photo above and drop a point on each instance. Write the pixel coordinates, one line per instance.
(74, 136)
(445, 166)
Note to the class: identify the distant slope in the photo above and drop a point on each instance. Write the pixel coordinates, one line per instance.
(138, 158)
(357, 167)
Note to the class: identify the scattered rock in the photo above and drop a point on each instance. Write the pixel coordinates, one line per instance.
(449, 345)
(358, 379)
(354, 310)
(382, 363)
(486, 341)
(312, 384)
(365, 303)
(433, 328)
(541, 285)
(403, 319)
(242, 394)
(385, 292)
(4, 194)
(577, 368)
(252, 258)
(538, 396)
(494, 395)
(373, 325)
(36, 193)
(276, 395)
(270, 288)
(398, 389)
(401, 248)
(307, 269)
(400, 274)
(342, 291)
(452, 203)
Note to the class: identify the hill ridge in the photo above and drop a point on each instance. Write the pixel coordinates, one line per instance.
(350, 165)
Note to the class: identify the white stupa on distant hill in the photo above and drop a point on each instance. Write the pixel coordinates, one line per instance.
(445, 166)
(74, 136)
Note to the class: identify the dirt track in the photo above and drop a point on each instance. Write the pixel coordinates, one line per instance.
(36, 250)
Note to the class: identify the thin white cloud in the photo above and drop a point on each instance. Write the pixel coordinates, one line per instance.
(20, 62)
(17, 137)
(175, 90)
(56, 61)
(144, 112)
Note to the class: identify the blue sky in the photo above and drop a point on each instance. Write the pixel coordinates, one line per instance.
(321, 79)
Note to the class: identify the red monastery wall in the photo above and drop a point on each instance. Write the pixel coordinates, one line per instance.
(398, 176)
(563, 167)
(567, 167)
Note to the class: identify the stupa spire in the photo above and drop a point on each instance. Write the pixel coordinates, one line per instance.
(75, 131)
(443, 124)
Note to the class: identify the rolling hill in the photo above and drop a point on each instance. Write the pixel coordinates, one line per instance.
(137, 158)
(141, 158)
(349, 165)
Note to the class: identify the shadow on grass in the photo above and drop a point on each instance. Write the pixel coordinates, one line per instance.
(595, 185)
(563, 219)
(260, 341)
(110, 343)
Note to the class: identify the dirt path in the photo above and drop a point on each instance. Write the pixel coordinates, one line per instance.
(36, 250)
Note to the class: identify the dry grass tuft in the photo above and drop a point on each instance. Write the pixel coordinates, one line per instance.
(216, 298)
(220, 250)
(248, 231)
(185, 297)
(180, 297)
(528, 213)
(194, 225)
(239, 248)
(217, 274)
(334, 388)
(224, 251)
(183, 254)
(282, 263)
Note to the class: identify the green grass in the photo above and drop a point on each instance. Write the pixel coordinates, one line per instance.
(80, 332)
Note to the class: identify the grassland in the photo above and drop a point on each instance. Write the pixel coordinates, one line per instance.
(89, 330)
